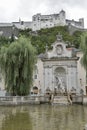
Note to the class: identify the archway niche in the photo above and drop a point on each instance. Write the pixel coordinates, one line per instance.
(60, 80)
(35, 90)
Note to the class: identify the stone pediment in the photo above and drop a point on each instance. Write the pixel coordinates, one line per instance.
(59, 49)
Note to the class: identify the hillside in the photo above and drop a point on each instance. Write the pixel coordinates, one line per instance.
(47, 36)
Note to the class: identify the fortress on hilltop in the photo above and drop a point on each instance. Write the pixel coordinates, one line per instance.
(41, 22)
(47, 21)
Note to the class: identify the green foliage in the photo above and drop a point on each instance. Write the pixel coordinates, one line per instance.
(25, 32)
(4, 41)
(47, 36)
(77, 38)
(17, 62)
(83, 47)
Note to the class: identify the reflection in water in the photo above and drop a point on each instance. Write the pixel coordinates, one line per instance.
(16, 119)
(43, 117)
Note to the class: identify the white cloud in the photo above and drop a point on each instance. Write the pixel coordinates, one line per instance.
(8, 8)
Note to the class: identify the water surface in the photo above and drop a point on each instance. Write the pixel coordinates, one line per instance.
(43, 117)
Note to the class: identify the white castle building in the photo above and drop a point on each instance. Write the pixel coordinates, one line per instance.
(47, 21)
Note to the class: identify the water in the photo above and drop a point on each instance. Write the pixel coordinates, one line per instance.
(43, 117)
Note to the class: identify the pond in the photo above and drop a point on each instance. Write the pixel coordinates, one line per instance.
(43, 117)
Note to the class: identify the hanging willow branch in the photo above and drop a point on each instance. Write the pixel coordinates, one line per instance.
(83, 47)
(17, 63)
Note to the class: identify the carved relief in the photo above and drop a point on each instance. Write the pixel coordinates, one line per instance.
(59, 49)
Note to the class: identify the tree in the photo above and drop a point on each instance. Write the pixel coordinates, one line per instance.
(77, 38)
(17, 63)
(84, 50)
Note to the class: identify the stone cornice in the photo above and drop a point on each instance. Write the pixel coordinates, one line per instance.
(60, 59)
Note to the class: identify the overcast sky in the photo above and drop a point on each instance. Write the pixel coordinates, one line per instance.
(12, 10)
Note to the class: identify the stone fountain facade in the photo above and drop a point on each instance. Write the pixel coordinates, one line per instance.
(60, 68)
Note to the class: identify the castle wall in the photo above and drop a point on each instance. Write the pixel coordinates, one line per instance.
(48, 21)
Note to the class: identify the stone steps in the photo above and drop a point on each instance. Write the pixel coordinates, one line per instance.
(60, 100)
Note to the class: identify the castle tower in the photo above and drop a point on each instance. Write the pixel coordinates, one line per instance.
(62, 15)
(81, 20)
(36, 22)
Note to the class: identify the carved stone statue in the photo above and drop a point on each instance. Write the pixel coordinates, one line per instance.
(59, 84)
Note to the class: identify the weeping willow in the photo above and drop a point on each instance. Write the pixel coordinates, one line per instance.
(83, 46)
(17, 63)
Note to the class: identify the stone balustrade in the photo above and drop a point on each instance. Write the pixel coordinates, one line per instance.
(20, 100)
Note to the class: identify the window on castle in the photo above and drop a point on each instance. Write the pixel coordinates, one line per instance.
(51, 20)
(34, 19)
(22, 22)
(42, 19)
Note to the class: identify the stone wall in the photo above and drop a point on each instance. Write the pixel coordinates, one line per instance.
(23, 100)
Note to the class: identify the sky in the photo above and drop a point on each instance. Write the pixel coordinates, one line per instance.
(12, 10)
